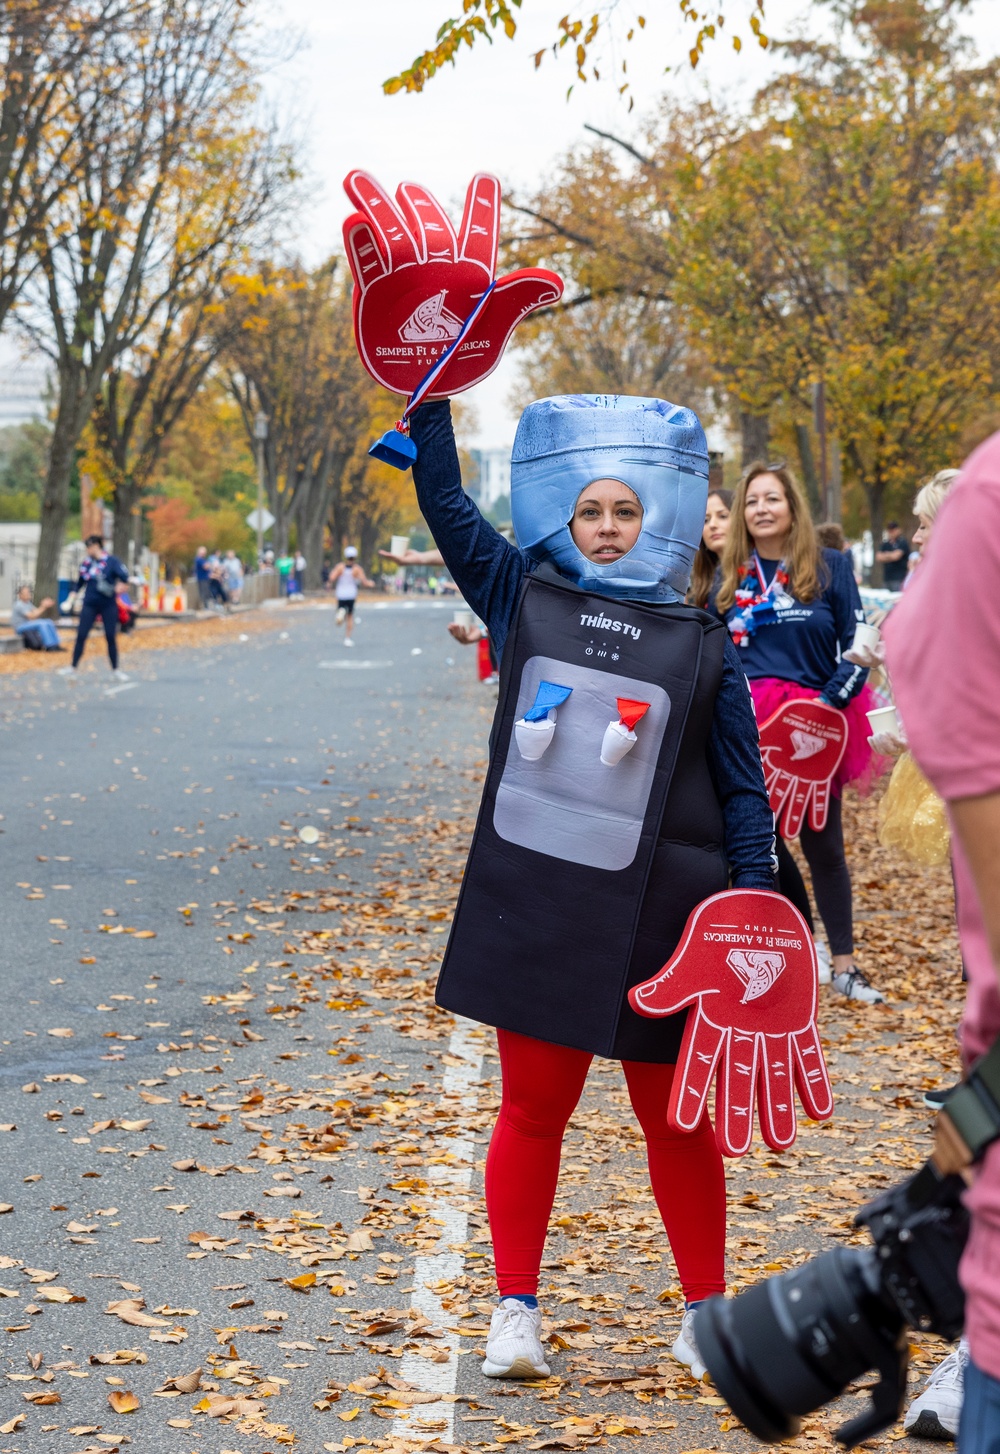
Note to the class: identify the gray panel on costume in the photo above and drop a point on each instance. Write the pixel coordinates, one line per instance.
(568, 804)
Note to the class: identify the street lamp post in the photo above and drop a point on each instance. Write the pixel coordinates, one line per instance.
(260, 437)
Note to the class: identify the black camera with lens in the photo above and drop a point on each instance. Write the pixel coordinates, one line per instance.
(791, 1344)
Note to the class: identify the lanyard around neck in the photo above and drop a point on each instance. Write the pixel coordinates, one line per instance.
(779, 570)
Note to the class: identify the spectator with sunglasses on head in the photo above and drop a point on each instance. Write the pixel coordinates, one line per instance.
(792, 608)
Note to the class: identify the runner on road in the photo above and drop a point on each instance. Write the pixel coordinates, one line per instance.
(345, 579)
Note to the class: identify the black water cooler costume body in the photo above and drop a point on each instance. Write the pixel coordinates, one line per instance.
(581, 877)
(547, 947)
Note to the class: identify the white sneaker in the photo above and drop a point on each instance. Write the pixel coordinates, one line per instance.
(348, 641)
(514, 1347)
(121, 676)
(823, 961)
(935, 1413)
(853, 984)
(685, 1349)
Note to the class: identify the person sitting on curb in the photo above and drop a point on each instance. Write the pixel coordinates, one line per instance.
(30, 621)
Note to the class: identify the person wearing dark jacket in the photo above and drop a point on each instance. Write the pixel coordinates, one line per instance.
(100, 576)
(625, 786)
(792, 608)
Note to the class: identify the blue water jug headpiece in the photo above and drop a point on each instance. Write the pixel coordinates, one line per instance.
(658, 449)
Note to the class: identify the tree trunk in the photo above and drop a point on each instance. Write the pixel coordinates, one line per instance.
(876, 515)
(126, 499)
(755, 433)
(310, 523)
(312, 548)
(370, 533)
(55, 494)
(806, 459)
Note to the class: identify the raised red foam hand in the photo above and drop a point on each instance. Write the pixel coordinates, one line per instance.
(747, 964)
(801, 746)
(416, 282)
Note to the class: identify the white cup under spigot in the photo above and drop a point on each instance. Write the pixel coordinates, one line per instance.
(618, 740)
(533, 738)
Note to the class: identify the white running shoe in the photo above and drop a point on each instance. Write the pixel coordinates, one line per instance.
(348, 641)
(853, 984)
(823, 961)
(935, 1413)
(121, 676)
(65, 671)
(514, 1347)
(685, 1349)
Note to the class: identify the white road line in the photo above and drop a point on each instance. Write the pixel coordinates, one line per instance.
(125, 687)
(449, 603)
(459, 1089)
(352, 665)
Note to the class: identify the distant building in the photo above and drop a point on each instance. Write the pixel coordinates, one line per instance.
(22, 392)
(18, 553)
(492, 476)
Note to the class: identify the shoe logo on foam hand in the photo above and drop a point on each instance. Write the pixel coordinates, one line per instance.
(431, 322)
(757, 968)
(806, 744)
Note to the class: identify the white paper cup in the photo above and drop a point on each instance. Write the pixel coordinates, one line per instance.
(866, 637)
(884, 719)
(618, 740)
(464, 618)
(533, 738)
(399, 545)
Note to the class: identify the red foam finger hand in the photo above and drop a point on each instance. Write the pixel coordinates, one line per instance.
(377, 207)
(776, 1093)
(416, 283)
(429, 223)
(479, 234)
(690, 1087)
(812, 1079)
(804, 741)
(796, 804)
(363, 253)
(735, 1093)
(747, 964)
(819, 807)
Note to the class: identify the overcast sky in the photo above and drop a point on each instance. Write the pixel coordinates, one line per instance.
(492, 112)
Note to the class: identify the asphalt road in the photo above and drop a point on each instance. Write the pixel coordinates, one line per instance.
(235, 1134)
(120, 808)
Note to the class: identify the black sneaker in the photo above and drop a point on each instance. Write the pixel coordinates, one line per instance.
(935, 1099)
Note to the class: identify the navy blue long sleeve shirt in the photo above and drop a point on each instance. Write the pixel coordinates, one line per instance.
(806, 643)
(489, 570)
(108, 568)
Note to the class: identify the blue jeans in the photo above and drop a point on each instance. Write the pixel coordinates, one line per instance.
(979, 1431)
(45, 628)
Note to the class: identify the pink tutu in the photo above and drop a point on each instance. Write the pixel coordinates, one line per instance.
(860, 764)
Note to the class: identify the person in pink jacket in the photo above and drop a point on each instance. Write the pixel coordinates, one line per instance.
(943, 651)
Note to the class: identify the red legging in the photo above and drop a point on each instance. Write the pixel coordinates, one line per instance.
(542, 1084)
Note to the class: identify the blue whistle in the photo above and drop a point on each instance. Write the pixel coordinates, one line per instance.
(394, 448)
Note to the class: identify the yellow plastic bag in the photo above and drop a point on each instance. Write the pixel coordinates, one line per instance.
(912, 817)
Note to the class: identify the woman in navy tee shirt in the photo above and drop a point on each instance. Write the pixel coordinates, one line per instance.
(792, 610)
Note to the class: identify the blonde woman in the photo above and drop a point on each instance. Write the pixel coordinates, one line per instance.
(792, 608)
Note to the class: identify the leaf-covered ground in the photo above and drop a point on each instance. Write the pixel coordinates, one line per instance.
(260, 1320)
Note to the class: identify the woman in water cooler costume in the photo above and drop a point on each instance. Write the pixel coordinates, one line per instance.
(624, 787)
